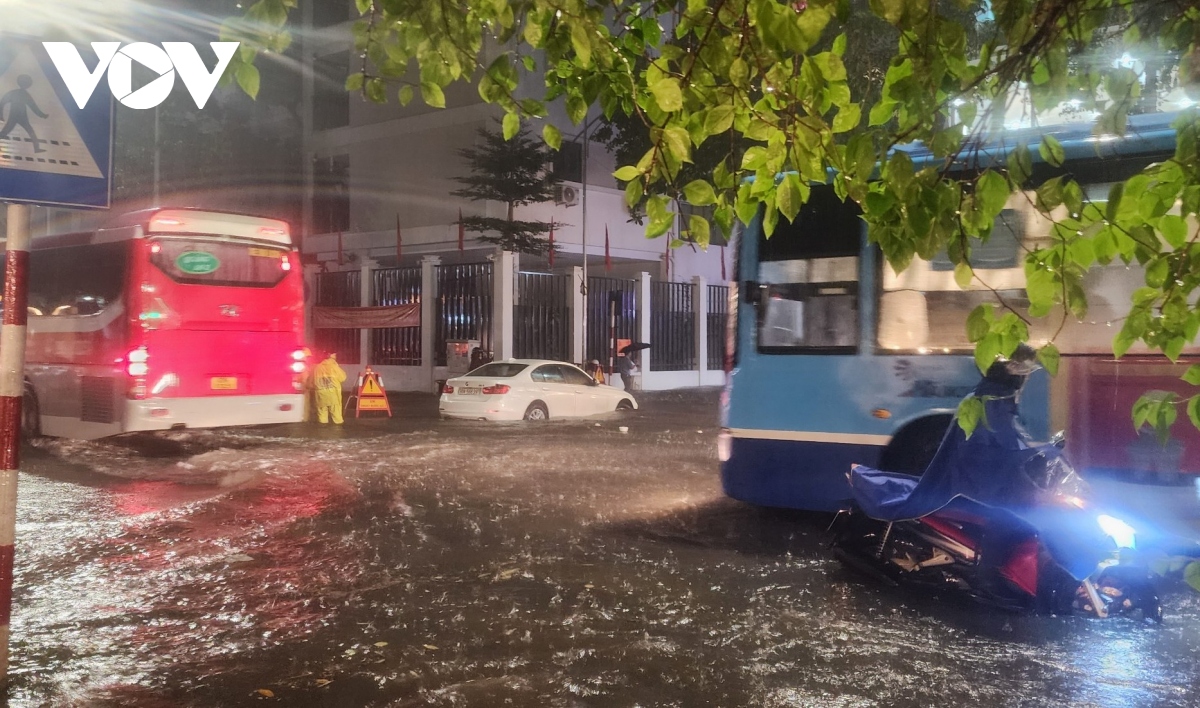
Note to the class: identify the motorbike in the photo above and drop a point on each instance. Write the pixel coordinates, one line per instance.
(996, 516)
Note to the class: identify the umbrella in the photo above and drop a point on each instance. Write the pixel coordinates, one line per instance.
(634, 347)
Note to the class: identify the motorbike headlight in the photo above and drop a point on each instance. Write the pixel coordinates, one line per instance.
(1119, 531)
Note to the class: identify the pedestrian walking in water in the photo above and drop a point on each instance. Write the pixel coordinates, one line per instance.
(328, 378)
(626, 367)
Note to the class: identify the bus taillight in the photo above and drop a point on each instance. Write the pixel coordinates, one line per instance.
(137, 359)
(298, 369)
(285, 264)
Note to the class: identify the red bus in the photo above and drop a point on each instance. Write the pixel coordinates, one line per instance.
(166, 319)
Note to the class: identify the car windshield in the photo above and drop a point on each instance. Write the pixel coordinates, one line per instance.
(499, 370)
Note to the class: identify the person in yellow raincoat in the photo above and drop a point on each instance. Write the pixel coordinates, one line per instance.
(327, 379)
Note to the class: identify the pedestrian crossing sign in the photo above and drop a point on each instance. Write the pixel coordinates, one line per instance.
(51, 151)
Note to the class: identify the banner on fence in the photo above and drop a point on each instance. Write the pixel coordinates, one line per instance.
(366, 317)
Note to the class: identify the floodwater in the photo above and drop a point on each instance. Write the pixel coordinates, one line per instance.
(419, 563)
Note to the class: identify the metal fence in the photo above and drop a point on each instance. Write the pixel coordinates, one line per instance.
(718, 309)
(598, 343)
(463, 309)
(396, 346)
(542, 317)
(339, 290)
(672, 327)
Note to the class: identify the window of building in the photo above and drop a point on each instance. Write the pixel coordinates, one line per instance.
(331, 194)
(331, 100)
(330, 12)
(568, 162)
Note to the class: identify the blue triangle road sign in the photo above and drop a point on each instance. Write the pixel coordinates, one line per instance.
(52, 152)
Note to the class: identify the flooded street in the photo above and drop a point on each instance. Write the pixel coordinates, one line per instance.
(422, 563)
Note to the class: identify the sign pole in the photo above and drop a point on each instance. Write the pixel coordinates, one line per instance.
(12, 390)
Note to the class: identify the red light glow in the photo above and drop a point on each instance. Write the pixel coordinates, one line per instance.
(497, 389)
(447, 388)
(155, 247)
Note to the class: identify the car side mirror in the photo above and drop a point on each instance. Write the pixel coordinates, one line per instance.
(1059, 439)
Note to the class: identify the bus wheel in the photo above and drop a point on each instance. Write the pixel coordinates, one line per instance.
(31, 418)
(912, 449)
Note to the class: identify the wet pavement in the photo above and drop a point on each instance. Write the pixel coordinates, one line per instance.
(416, 562)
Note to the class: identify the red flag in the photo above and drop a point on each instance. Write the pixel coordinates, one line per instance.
(341, 261)
(607, 255)
(399, 240)
(723, 263)
(551, 244)
(460, 231)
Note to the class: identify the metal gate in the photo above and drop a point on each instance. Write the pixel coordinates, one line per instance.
(542, 317)
(672, 327)
(464, 306)
(396, 346)
(599, 344)
(718, 308)
(339, 290)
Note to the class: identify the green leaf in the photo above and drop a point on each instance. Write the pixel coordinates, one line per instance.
(847, 118)
(1051, 150)
(1049, 357)
(553, 137)
(963, 275)
(699, 227)
(1020, 164)
(718, 119)
(839, 45)
(627, 173)
(511, 125)
(986, 351)
(991, 193)
(1192, 375)
(667, 94)
(1174, 229)
(581, 43)
(1193, 411)
(678, 142)
(979, 323)
(354, 82)
(432, 94)
(406, 95)
(248, 79)
(1191, 575)
(1157, 272)
(970, 412)
(788, 197)
(700, 193)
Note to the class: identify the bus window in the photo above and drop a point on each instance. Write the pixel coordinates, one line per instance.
(78, 280)
(808, 270)
(194, 261)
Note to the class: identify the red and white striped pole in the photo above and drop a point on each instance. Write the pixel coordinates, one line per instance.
(12, 389)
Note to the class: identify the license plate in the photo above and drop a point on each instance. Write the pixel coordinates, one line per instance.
(224, 383)
(469, 391)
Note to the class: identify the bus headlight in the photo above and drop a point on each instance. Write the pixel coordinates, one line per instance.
(724, 445)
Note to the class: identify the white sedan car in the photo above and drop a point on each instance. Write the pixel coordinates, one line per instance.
(529, 389)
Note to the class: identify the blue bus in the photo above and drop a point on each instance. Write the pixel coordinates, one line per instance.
(836, 359)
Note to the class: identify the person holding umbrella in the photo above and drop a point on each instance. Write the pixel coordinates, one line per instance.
(626, 364)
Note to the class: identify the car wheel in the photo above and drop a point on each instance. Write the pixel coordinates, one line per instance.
(624, 405)
(31, 419)
(537, 411)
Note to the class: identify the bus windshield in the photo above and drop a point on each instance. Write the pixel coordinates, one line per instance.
(199, 261)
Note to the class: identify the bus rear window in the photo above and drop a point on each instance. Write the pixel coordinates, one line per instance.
(200, 262)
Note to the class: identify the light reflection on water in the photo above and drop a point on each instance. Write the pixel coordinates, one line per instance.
(578, 572)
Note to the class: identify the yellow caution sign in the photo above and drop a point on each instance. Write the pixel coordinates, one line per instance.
(370, 394)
